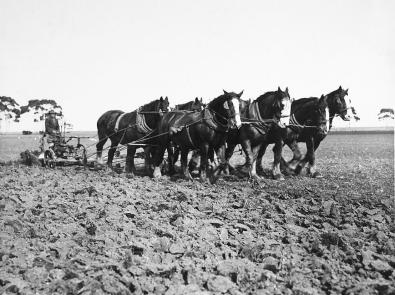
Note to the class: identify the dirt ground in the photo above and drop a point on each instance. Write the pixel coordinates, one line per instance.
(75, 231)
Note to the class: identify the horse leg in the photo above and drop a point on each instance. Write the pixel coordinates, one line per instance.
(129, 167)
(261, 153)
(170, 159)
(253, 174)
(194, 161)
(184, 164)
(246, 145)
(228, 154)
(147, 159)
(111, 153)
(99, 146)
(312, 170)
(176, 154)
(301, 164)
(277, 151)
(204, 150)
(297, 155)
(220, 166)
(159, 153)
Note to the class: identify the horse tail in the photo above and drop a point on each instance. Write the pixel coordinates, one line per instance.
(102, 123)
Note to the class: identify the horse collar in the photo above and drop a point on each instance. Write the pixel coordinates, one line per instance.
(142, 125)
(254, 111)
(212, 123)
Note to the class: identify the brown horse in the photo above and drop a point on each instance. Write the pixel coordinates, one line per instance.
(263, 124)
(309, 122)
(196, 105)
(124, 128)
(201, 131)
(338, 105)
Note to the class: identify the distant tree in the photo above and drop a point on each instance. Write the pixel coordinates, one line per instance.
(40, 107)
(10, 108)
(386, 113)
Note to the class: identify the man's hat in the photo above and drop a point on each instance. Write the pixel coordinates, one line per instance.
(51, 112)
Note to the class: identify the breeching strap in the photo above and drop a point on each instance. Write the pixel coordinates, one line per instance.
(117, 122)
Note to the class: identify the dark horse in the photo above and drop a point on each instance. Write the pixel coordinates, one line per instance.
(338, 105)
(196, 105)
(261, 125)
(124, 128)
(201, 131)
(309, 121)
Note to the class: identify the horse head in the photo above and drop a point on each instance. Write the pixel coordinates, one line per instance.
(232, 108)
(276, 105)
(198, 105)
(339, 104)
(226, 109)
(163, 105)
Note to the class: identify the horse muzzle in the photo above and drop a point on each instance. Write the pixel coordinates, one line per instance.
(346, 117)
(323, 130)
(234, 123)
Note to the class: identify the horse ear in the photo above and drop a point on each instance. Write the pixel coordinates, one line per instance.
(279, 89)
(286, 91)
(340, 87)
(167, 99)
(346, 92)
(196, 99)
(201, 99)
(225, 92)
(241, 93)
(161, 98)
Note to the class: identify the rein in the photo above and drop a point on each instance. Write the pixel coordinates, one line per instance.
(295, 123)
(215, 122)
(151, 112)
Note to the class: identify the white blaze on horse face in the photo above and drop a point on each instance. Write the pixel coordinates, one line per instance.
(236, 106)
(286, 111)
(327, 119)
(349, 113)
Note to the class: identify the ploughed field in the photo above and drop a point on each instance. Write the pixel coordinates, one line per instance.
(74, 231)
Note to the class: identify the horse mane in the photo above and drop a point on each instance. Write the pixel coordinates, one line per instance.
(299, 102)
(215, 101)
(265, 95)
(147, 105)
(181, 105)
(333, 93)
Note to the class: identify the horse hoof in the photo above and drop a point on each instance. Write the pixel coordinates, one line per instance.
(278, 177)
(298, 170)
(288, 171)
(213, 179)
(204, 180)
(129, 175)
(227, 171)
(244, 169)
(157, 173)
(316, 175)
(188, 178)
(255, 178)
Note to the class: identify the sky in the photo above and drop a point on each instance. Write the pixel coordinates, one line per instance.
(92, 56)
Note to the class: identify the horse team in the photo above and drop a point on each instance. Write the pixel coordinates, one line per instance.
(216, 129)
